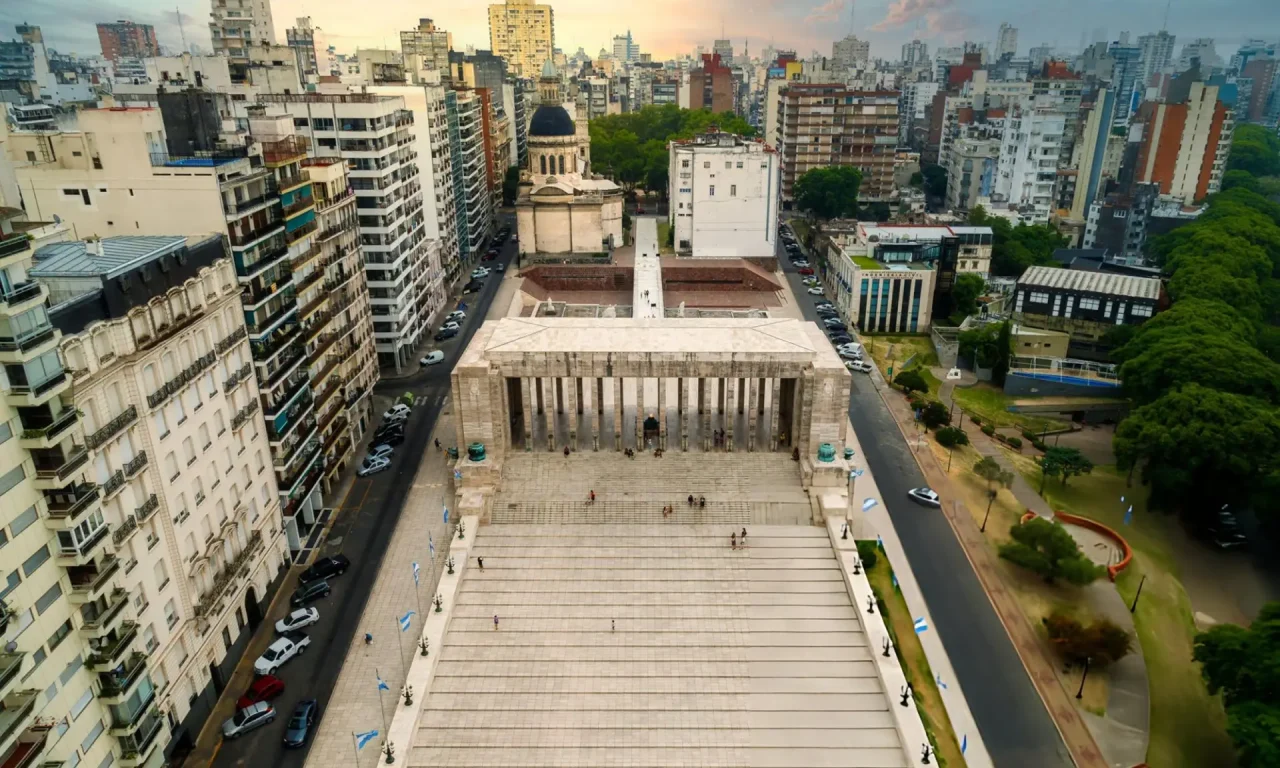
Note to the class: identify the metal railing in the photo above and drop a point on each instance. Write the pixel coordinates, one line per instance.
(148, 507)
(113, 427)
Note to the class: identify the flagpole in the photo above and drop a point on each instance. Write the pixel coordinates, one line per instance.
(355, 744)
(404, 671)
(381, 706)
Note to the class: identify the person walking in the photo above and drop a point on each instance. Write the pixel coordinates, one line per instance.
(591, 497)
(691, 499)
(495, 622)
(743, 537)
(612, 625)
(702, 502)
(733, 540)
(368, 639)
(437, 443)
(480, 562)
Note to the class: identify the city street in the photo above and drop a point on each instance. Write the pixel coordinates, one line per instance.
(1015, 724)
(365, 520)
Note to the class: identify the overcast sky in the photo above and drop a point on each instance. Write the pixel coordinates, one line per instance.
(670, 28)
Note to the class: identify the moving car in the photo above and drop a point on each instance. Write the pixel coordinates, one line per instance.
(372, 466)
(309, 593)
(858, 365)
(262, 689)
(445, 334)
(471, 287)
(303, 617)
(248, 719)
(283, 649)
(397, 410)
(301, 723)
(326, 567)
(432, 358)
(501, 268)
(815, 291)
(925, 496)
(805, 270)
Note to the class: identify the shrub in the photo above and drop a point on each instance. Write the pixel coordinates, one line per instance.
(1102, 642)
(911, 380)
(867, 552)
(1000, 436)
(975, 419)
(1047, 549)
(935, 415)
(1015, 443)
(1029, 435)
(950, 437)
(988, 430)
(1039, 445)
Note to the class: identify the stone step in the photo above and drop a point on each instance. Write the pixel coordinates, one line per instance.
(725, 754)
(617, 649)
(661, 738)
(520, 641)
(751, 669)
(655, 685)
(630, 600)
(637, 530)
(496, 585)
(706, 612)
(686, 702)
(733, 559)
(766, 574)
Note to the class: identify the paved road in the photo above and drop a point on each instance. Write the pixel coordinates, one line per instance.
(1015, 725)
(362, 532)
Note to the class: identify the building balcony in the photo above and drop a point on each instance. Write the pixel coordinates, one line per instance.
(236, 378)
(244, 414)
(303, 203)
(264, 350)
(32, 394)
(291, 183)
(135, 465)
(294, 235)
(28, 346)
(269, 323)
(248, 270)
(137, 748)
(261, 290)
(16, 712)
(113, 484)
(23, 297)
(29, 747)
(233, 338)
(54, 468)
(127, 718)
(229, 579)
(67, 505)
(117, 684)
(103, 615)
(14, 244)
(10, 666)
(83, 548)
(286, 364)
(288, 402)
(121, 422)
(147, 508)
(90, 582)
(251, 237)
(45, 430)
(309, 450)
(110, 652)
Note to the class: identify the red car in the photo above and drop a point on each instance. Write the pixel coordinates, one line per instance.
(264, 688)
(805, 270)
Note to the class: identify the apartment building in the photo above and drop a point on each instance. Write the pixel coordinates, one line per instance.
(823, 125)
(235, 26)
(711, 85)
(724, 197)
(373, 134)
(1028, 165)
(1185, 142)
(524, 33)
(971, 172)
(125, 39)
(470, 183)
(425, 49)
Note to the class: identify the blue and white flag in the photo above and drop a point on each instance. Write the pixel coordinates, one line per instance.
(964, 744)
(879, 541)
(894, 578)
(856, 472)
(938, 680)
(431, 544)
(406, 620)
(921, 625)
(415, 574)
(868, 504)
(446, 515)
(382, 684)
(1128, 516)
(1121, 499)
(364, 738)
(457, 475)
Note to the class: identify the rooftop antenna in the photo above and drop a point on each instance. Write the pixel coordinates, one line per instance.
(181, 32)
(1164, 27)
(852, 9)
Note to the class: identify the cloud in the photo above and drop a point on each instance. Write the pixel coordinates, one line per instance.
(826, 13)
(903, 12)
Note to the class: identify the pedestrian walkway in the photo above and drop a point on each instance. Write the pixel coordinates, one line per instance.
(356, 703)
(647, 300)
(655, 645)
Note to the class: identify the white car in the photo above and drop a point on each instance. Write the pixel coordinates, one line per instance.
(801, 263)
(858, 365)
(479, 274)
(925, 496)
(399, 410)
(456, 315)
(815, 291)
(248, 719)
(283, 649)
(303, 617)
(451, 326)
(381, 451)
(372, 465)
(849, 354)
(432, 358)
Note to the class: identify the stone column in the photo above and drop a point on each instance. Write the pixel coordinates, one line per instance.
(662, 413)
(617, 413)
(797, 416)
(776, 384)
(640, 413)
(597, 411)
(526, 399)
(686, 395)
(704, 407)
(751, 397)
(571, 410)
(549, 410)
(730, 410)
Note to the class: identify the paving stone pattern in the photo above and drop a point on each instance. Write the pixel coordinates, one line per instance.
(716, 657)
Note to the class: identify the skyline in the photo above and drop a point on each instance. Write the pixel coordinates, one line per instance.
(671, 29)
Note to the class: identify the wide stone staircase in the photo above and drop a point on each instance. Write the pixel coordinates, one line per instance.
(655, 645)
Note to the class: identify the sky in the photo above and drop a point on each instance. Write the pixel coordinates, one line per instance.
(669, 28)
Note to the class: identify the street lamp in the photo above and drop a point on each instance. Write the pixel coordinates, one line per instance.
(991, 496)
(1083, 677)
(1134, 607)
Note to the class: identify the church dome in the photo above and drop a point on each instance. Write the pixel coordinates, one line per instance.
(551, 120)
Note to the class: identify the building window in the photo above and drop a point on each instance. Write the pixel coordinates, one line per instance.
(544, 164)
(11, 479)
(89, 740)
(711, 191)
(728, 164)
(81, 704)
(48, 598)
(23, 521)
(684, 163)
(706, 164)
(1140, 310)
(59, 635)
(1038, 297)
(733, 190)
(1089, 303)
(35, 561)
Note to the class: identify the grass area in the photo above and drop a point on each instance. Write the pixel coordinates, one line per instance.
(866, 262)
(801, 228)
(1188, 726)
(664, 233)
(911, 655)
(992, 406)
(895, 351)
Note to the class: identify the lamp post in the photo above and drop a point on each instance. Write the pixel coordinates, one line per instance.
(1134, 607)
(951, 452)
(991, 496)
(1083, 677)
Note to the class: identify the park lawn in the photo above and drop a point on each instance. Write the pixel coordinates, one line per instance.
(992, 406)
(664, 232)
(919, 674)
(801, 228)
(895, 351)
(1188, 726)
(866, 262)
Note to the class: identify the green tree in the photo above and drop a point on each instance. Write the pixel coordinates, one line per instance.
(1192, 318)
(951, 437)
(1100, 643)
(1255, 150)
(1064, 463)
(917, 180)
(1200, 448)
(510, 185)
(935, 414)
(995, 476)
(1242, 664)
(935, 180)
(828, 193)
(1217, 361)
(911, 381)
(1004, 353)
(964, 294)
(1045, 548)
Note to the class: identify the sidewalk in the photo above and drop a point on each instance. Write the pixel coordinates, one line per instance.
(1075, 732)
(356, 704)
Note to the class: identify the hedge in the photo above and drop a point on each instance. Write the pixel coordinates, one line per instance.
(988, 430)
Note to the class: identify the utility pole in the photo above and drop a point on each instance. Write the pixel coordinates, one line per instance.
(181, 32)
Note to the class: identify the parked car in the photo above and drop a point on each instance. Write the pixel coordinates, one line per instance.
(396, 420)
(815, 291)
(382, 451)
(840, 338)
(247, 720)
(805, 270)
(303, 617)
(826, 312)
(925, 496)
(456, 316)
(858, 365)
(300, 723)
(372, 466)
(471, 287)
(387, 431)
(479, 274)
(501, 268)
(445, 334)
(264, 688)
(433, 358)
(309, 593)
(834, 324)
(283, 649)
(398, 410)
(802, 262)
(450, 325)
(849, 354)
(390, 438)
(326, 568)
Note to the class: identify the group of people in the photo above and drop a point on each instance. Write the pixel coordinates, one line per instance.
(738, 541)
(701, 501)
(718, 437)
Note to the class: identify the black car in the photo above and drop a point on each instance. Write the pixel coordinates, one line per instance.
(324, 568)
(826, 313)
(445, 333)
(301, 723)
(390, 438)
(308, 593)
(841, 338)
(472, 286)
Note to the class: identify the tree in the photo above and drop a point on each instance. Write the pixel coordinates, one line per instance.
(510, 185)
(1216, 361)
(1046, 548)
(1101, 643)
(1255, 150)
(1241, 664)
(1014, 249)
(935, 180)
(917, 180)
(1064, 463)
(828, 193)
(1198, 318)
(950, 437)
(911, 381)
(935, 414)
(631, 148)
(965, 292)
(1004, 353)
(995, 475)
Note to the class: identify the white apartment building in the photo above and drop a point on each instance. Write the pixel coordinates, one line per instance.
(373, 134)
(237, 25)
(724, 197)
(463, 110)
(916, 97)
(1028, 163)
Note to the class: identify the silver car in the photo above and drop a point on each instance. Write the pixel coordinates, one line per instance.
(248, 719)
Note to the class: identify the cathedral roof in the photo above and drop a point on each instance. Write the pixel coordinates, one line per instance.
(549, 70)
(551, 120)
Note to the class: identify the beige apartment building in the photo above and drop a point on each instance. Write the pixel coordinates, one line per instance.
(236, 26)
(524, 33)
(823, 125)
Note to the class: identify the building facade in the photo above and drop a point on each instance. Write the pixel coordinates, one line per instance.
(473, 199)
(1029, 154)
(524, 33)
(425, 49)
(711, 85)
(1185, 144)
(1084, 304)
(125, 39)
(236, 26)
(723, 193)
(971, 172)
(823, 125)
